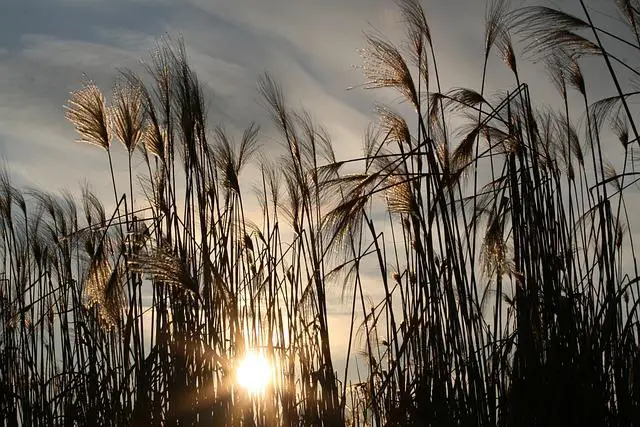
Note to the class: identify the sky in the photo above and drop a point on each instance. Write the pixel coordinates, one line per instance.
(310, 47)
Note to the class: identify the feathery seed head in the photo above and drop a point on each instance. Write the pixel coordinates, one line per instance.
(127, 114)
(87, 111)
(394, 126)
(384, 67)
(418, 29)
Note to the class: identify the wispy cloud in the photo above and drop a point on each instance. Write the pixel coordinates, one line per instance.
(311, 47)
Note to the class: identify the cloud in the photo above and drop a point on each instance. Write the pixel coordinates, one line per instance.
(310, 47)
(35, 138)
(74, 54)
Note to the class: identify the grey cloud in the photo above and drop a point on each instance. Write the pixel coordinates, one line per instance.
(310, 47)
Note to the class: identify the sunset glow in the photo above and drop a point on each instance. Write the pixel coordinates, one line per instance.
(254, 373)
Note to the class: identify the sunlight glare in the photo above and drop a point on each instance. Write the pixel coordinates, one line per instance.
(254, 373)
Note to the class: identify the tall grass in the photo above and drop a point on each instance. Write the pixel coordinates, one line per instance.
(503, 251)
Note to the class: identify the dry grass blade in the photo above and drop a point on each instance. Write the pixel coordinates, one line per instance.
(541, 18)
(622, 230)
(372, 144)
(400, 198)
(314, 143)
(393, 126)
(164, 266)
(127, 113)
(547, 29)
(574, 76)
(496, 20)
(611, 176)
(574, 44)
(271, 180)
(87, 111)
(104, 288)
(272, 93)
(575, 145)
(459, 98)
(93, 208)
(345, 220)
(417, 27)
(435, 105)
(555, 66)
(154, 136)
(498, 138)
(462, 156)
(607, 107)
(620, 127)
(505, 48)
(228, 162)
(630, 9)
(154, 141)
(494, 250)
(248, 145)
(384, 67)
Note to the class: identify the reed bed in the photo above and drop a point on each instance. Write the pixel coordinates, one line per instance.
(500, 233)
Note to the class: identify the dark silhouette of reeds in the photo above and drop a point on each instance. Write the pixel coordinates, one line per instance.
(503, 250)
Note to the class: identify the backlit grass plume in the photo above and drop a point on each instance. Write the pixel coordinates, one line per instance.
(87, 111)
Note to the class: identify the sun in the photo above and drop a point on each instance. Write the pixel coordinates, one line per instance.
(254, 372)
